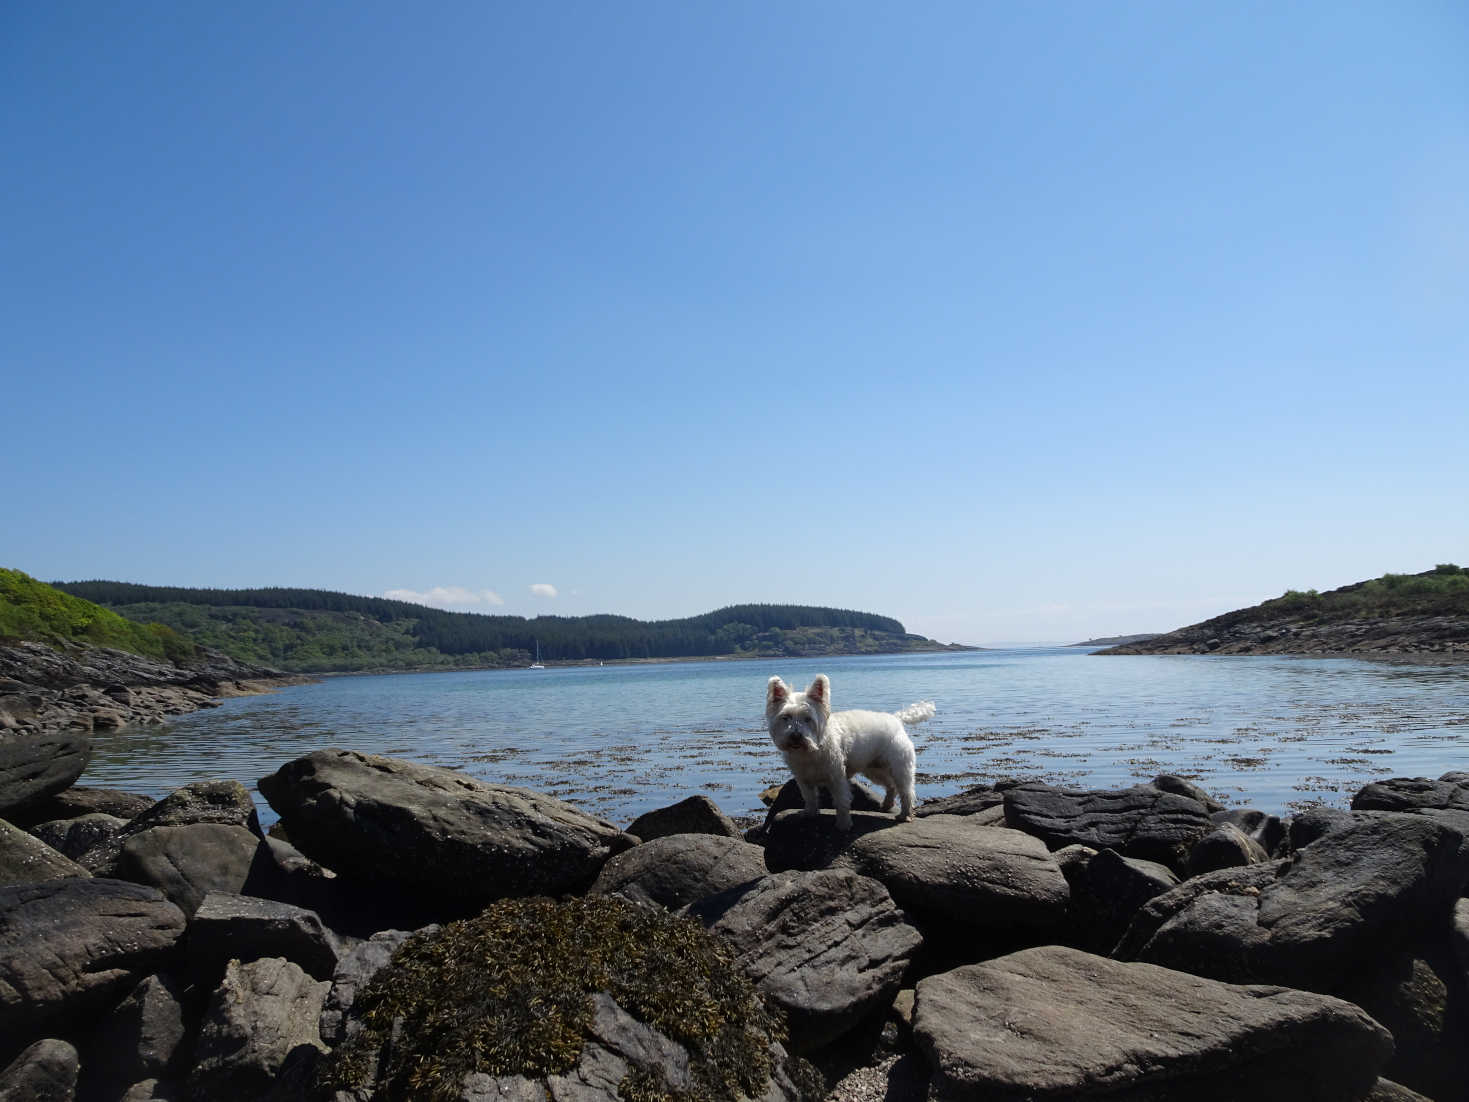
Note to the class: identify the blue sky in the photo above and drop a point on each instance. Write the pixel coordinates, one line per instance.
(1016, 322)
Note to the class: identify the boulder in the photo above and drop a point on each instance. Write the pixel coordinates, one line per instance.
(73, 837)
(1141, 821)
(220, 803)
(228, 926)
(1267, 830)
(829, 948)
(1107, 890)
(1058, 1023)
(789, 797)
(186, 863)
(35, 766)
(696, 815)
(143, 1037)
(1359, 889)
(446, 839)
(45, 1072)
(1385, 1090)
(25, 859)
(259, 1016)
(79, 800)
(794, 840)
(1224, 847)
(1414, 794)
(679, 869)
(70, 949)
(1167, 782)
(958, 877)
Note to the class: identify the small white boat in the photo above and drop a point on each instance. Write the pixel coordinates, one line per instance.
(536, 665)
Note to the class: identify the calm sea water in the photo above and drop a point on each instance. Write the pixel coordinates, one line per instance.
(1274, 733)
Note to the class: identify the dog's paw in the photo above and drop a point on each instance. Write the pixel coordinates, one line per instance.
(844, 823)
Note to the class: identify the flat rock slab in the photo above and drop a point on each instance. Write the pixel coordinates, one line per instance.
(696, 815)
(1448, 793)
(228, 926)
(1058, 1023)
(24, 859)
(1142, 821)
(70, 948)
(454, 841)
(949, 870)
(827, 947)
(1364, 886)
(33, 767)
(680, 869)
(79, 800)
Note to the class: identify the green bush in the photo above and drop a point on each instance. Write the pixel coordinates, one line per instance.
(34, 610)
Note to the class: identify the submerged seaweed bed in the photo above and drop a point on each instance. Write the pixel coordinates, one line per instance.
(1275, 733)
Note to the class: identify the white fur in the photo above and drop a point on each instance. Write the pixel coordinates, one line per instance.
(825, 749)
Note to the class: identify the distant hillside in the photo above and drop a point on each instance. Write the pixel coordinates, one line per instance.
(318, 631)
(36, 612)
(1410, 616)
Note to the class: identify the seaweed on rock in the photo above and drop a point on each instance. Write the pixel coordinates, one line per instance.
(510, 993)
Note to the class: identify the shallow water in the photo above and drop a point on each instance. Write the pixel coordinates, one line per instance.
(1270, 732)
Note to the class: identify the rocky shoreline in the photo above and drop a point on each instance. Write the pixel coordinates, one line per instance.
(1014, 941)
(46, 690)
(1407, 639)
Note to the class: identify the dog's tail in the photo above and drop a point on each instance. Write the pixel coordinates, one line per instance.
(916, 713)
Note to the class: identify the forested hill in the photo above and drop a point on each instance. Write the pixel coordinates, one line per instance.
(314, 631)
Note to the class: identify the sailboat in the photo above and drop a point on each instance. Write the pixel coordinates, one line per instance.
(536, 665)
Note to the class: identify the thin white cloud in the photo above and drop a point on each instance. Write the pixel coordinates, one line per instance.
(541, 589)
(447, 596)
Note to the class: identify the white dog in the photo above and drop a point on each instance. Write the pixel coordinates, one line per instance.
(825, 749)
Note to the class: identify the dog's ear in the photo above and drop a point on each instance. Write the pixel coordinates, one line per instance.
(776, 694)
(819, 692)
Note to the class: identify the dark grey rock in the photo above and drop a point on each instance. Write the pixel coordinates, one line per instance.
(1386, 1090)
(153, 1090)
(696, 815)
(73, 837)
(1141, 821)
(1055, 1023)
(220, 803)
(229, 926)
(949, 873)
(1167, 782)
(70, 949)
(680, 869)
(797, 841)
(45, 1072)
(35, 766)
(1413, 794)
(829, 948)
(352, 973)
(981, 797)
(1267, 830)
(24, 859)
(1107, 890)
(1224, 847)
(1355, 891)
(142, 1038)
(789, 798)
(1315, 823)
(447, 839)
(257, 1018)
(79, 800)
(186, 863)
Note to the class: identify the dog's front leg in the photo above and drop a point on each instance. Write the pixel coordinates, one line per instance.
(812, 797)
